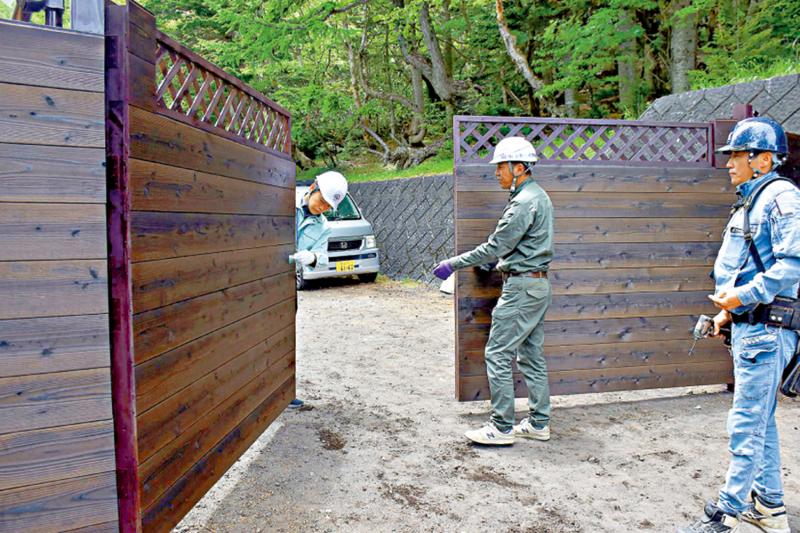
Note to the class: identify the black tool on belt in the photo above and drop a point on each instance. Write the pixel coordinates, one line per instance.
(783, 312)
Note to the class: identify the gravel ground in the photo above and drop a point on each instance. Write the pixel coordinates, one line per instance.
(380, 447)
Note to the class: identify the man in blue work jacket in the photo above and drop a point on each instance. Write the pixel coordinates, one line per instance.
(311, 228)
(758, 261)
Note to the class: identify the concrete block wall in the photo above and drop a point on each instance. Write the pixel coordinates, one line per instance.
(413, 222)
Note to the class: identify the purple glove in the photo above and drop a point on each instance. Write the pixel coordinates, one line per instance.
(443, 270)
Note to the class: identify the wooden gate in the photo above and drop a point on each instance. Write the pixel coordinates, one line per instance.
(201, 226)
(639, 211)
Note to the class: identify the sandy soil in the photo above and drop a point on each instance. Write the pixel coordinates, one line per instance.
(380, 447)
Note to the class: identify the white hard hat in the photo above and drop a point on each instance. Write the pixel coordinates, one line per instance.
(514, 149)
(333, 187)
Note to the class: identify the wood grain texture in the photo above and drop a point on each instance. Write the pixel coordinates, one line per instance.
(159, 283)
(601, 356)
(599, 306)
(604, 179)
(42, 345)
(165, 375)
(57, 453)
(175, 415)
(616, 205)
(61, 505)
(53, 117)
(473, 283)
(621, 255)
(168, 235)
(606, 331)
(47, 400)
(30, 232)
(52, 174)
(188, 489)
(49, 57)
(176, 458)
(472, 232)
(163, 140)
(105, 527)
(616, 379)
(53, 288)
(163, 329)
(157, 187)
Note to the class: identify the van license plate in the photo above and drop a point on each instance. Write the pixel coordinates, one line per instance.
(345, 266)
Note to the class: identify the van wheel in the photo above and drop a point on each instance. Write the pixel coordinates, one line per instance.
(300, 282)
(368, 278)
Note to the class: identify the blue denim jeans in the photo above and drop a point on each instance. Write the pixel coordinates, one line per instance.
(760, 353)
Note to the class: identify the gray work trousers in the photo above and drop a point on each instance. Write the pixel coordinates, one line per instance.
(518, 330)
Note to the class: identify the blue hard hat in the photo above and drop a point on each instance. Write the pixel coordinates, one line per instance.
(759, 134)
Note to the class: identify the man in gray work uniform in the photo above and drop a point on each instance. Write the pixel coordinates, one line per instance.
(523, 244)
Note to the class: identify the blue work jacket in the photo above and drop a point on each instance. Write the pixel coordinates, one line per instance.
(312, 233)
(775, 226)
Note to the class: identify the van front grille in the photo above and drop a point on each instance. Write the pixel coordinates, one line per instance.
(341, 246)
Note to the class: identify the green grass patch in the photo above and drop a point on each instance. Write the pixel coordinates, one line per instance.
(377, 172)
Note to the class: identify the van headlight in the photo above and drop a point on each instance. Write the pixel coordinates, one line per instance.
(370, 242)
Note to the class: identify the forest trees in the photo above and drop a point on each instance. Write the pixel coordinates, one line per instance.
(386, 76)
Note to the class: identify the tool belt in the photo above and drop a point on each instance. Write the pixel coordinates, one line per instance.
(782, 312)
(540, 274)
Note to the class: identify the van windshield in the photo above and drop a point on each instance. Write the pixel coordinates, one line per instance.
(347, 211)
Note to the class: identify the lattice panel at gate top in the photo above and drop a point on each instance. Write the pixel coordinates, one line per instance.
(589, 141)
(189, 85)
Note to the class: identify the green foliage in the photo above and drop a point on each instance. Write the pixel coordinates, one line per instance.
(5, 10)
(376, 172)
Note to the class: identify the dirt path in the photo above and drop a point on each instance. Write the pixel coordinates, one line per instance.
(382, 447)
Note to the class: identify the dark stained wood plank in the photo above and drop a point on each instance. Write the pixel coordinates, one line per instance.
(615, 379)
(607, 331)
(157, 187)
(61, 505)
(597, 179)
(57, 174)
(163, 140)
(642, 255)
(159, 283)
(142, 80)
(167, 235)
(53, 288)
(30, 232)
(42, 115)
(471, 283)
(42, 345)
(169, 463)
(616, 205)
(53, 454)
(50, 57)
(601, 356)
(46, 400)
(163, 329)
(472, 232)
(161, 377)
(175, 415)
(181, 496)
(472, 310)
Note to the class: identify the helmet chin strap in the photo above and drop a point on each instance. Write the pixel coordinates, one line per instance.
(516, 177)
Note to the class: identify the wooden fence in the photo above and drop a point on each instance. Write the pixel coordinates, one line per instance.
(56, 430)
(203, 294)
(639, 211)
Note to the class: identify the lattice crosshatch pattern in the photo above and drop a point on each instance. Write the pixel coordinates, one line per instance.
(591, 141)
(184, 86)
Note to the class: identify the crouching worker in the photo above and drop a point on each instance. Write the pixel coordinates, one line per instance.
(759, 260)
(311, 229)
(523, 244)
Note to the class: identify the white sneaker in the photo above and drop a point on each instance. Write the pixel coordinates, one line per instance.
(526, 430)
(490, 435)
(769, 519)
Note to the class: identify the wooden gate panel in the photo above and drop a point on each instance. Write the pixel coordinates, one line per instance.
(638, 220)
(57, 467)
(210, 186)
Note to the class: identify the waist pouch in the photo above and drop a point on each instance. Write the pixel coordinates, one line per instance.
(790, 386)
(782, 312)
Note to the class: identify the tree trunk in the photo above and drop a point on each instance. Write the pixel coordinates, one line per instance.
(418, 120)
(683, 48)
(514, 52)
(570, 102)
(626, 66)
